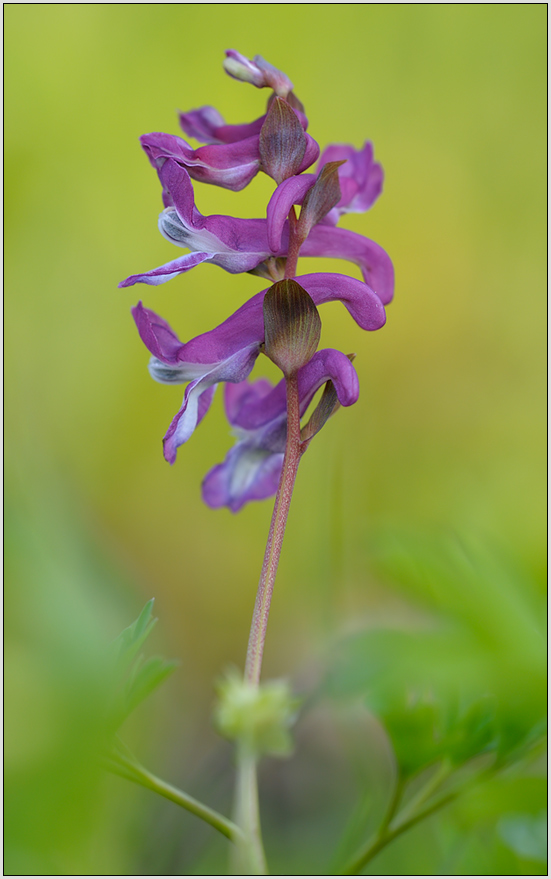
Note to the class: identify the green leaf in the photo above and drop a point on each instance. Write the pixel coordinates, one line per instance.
(132, 678)
(146, 679)
(127, 644)
(416, 731)
(475, 649)
(526, 835)
(474, 731)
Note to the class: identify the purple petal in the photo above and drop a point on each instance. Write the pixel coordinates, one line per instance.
(311, 154)
(233, 369)
(223, 236)
(158, 147)
(287, 194)
(374, 262)
(358, 298)
(236, 396)
(169, 270)
(326, 365)
(232, 155)
(329, 365)
(236, 245)
(361, 178)
(207, 125)
(184, 423)
(247, 474)
(275, 79)
(246, 325)
(231, 166)
(244, 329)
(235, 133)
(156, 334)
(177, 182)
(257, 411)
(202, 124)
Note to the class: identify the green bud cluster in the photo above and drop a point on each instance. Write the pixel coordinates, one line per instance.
(258, 718)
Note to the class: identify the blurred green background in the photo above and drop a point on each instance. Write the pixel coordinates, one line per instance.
(447, 437)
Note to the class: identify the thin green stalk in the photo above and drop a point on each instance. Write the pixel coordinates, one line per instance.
(247, 857)
(380, 839)
(440, 775)
(135, 772)
(385, 837)
(394, 802)
(424, 813)
(374, 846)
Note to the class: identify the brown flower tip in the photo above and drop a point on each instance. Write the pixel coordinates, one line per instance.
(292, 326)
(282, 141)
(324, 195)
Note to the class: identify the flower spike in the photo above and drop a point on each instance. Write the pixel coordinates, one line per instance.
(282, 321)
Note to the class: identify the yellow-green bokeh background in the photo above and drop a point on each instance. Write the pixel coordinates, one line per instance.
(449, 428)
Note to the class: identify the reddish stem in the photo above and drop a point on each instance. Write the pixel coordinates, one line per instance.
(293, 452)
(295, 243)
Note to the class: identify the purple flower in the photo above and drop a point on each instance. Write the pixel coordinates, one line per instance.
(360, 186)
(228, 352)
(257, 413)
(360, 178)
(231, 157)
(232, 165)
(234, 244)
(239, 245)
(360, 181)
(207, 126)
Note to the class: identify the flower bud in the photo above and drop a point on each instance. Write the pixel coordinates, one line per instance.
(258, 718)
(320, 199)
(257, 72)
(274, 78)
(292, 326)
(282, 142)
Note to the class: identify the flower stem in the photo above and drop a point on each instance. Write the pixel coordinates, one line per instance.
(247, 857)
(291, 461)
(294, 245)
